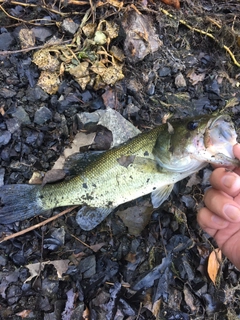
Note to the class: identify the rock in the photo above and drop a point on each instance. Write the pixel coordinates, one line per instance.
(42, 33)
(180, 81)
(21, 115)
(2, 173)
(6, 40)
(13, 125)
(69, 26)
(36, 93)
(7, 93)
(5, 138)
(164, 72)
(42, 115)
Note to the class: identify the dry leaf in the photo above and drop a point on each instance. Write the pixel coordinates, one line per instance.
(24, 314)
(49, 81)
(195, 78)
(35, 268)
(27, 38)
(232, 102)
(46, 60)
(156, 308)
(214, 261)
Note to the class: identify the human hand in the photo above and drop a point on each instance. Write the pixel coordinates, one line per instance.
(221, 216)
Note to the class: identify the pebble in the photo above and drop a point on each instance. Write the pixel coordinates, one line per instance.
(36, 93)
(69, 26)
(42, 33)
(42, 115)
(180, 81)
(21, 115)
(5, 137)
(164, 72)
(7, 93)
(13, 125)
(6, 40)
(2, 173)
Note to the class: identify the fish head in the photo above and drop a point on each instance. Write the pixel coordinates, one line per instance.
(188, 145)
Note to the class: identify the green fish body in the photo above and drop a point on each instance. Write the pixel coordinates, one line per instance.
(149, 163)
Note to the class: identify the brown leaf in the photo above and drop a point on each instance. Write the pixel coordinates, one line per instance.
(214, 261)
(27, 38)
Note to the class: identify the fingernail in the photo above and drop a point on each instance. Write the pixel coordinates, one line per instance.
(228, 180)
(232, 212)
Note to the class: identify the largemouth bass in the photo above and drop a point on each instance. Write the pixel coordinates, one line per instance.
(149, 163)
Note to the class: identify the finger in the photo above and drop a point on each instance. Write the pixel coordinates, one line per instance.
(222, 205)
(236, 150)
(227, 181)
(210, 222)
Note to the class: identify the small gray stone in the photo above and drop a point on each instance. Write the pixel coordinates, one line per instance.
(164, 72)
(7, 93)
(42, 33)
(6, 39)
(21, 115)
(42, 115)
(70, 26)
(2, 173)
(36, 93)
(88, 119)
(13, 125)
(180, 81)
(5, 137)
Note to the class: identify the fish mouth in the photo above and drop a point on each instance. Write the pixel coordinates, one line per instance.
(225, 127)
(221, 135)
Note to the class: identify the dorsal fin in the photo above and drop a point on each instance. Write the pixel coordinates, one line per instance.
(77, 162)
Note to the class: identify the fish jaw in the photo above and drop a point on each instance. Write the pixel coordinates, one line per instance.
(219, 138)
(205, 139)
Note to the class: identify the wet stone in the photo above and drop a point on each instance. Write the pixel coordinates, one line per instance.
(42, 115)
(5, 137)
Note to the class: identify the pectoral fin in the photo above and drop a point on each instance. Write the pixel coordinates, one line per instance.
(88, 218)
(161, 194)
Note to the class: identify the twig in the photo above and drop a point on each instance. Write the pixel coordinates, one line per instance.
(4, 53)
(38, 225)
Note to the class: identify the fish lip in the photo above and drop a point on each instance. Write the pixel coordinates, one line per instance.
(222, 116)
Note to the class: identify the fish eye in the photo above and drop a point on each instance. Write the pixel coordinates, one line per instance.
(192, 125)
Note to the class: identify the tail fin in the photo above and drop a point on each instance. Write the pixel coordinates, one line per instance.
(19, 202)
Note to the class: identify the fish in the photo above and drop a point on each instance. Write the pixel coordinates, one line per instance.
(150, 163)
